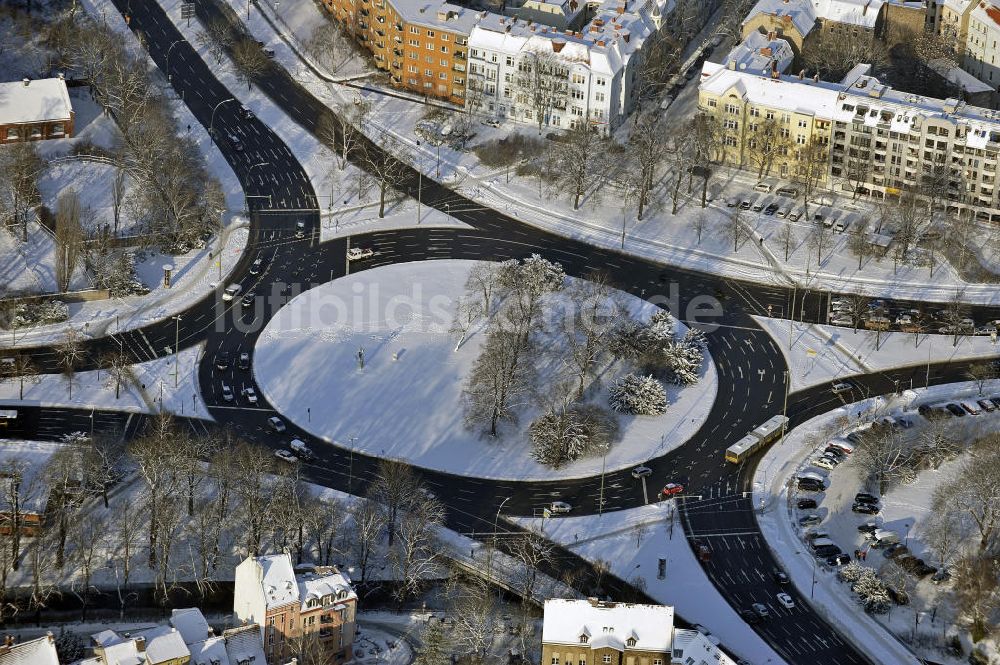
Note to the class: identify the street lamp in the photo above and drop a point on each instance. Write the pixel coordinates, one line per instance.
(177, 337)
(496, 522)
(169, 49)
(420, 181)
(211, 124)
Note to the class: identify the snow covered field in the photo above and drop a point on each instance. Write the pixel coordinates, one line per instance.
(152, 390)
(822, 353)
(904, 508)
(406, 402)
(631, 542)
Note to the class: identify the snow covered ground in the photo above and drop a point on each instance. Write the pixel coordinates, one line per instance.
(374, 646)
(363, 218)
(631, 542)
(822, 353)
(195, 273)
(406, 402)
(903, 510)
(662, 236)
(153, 389)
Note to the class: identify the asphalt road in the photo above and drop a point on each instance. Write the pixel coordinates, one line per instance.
(751, 368)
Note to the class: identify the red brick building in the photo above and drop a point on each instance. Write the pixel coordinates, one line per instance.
(35, 110)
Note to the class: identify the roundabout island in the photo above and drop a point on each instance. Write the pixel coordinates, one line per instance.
(376, 362)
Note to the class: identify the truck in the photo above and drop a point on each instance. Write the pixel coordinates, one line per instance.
(300, 448)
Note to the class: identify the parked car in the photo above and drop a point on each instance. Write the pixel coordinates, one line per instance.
(970, 407)
(358, 253)
(954, 409)
(868, 528)
(785, 600)
(866, 497)
(809, 485)
(838, 560)
(836, 452)
(986, 405)
(641, 472)
(895, 550)
(824, 463)
(841, 321)
(865, 508)
(810, 519)
(671, 489)
(806, 504)
(826, 551)
(286, 456)
(559, 507)
(747, 202)
(276, 423)
(841, 444)
(771, 209)
(795, 215)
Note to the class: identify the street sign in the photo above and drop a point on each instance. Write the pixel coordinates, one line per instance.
(546, 513)
(187, 10)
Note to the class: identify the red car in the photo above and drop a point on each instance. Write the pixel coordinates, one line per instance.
(671, 489)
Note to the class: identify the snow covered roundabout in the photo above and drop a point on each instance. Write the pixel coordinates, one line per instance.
(381, 361)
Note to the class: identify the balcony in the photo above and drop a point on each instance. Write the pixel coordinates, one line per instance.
(458, 68)
(459, 55)
(397, 52)
(398, 26)
(363, 11)
(396, 64)
(380, 32)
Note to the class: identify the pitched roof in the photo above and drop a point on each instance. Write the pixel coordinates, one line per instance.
(324, 583)
(608, 624)
(44, 99)
(164, 644)
(800, 13)
(41, 651)
(278, 581)
(756, 54)
(209, 652)
(191, 624)
(244, 644)
(699, 649)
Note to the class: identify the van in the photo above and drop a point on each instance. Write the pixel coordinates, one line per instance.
(762, 187)
(231, 292)
(789, 192)
(841, 444)
(841, 224)
(300, 448)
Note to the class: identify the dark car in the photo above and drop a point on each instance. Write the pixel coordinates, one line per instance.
(771, 209)
(826, 551)
(222, 360)
(839, 560)
(955, 409)
(895, 550)
(996, 401)
(810, 485)
(248, 299)
(835, 452)
(806, 504)
(868, 527)
(750, 617)
(865, 497)
(865, 508)
(780, 577)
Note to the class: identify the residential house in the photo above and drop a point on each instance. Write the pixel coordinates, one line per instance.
(294, 609)
(35, 110)
(40, 651)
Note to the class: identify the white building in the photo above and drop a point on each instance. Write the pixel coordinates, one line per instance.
(761, 54)
(982, 55)
(586, 76)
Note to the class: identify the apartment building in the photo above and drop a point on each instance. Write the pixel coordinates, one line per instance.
(35, 110)
(536, 74)
(802, 21)
(874, 140)
(595, 632)
(422, 44)
(292, 609)
(982, 53)
(761, 54)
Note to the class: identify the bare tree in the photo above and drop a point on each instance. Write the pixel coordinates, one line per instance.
(578, 159)
(857, 307)
(148, 453)
(647, 148)
(832, 56)
(820, 239)
(982, 372)
(396, 489)
(255, 490)
(786, 236)
(19, 195)
(474, 609)
(117, 370)
(736, 226)
(124, 536)
(16, 495)
(679, 155)
(71, 354)
(699, 224)
(976, 591)
(540, 85)
(810, 169)
(250, 61)
(87, 537)
(767, 140)
(324, 523)
(974, 495)
(216, 37)
(387, 164)
(945, 533)
(587, 325)
(857, 242)
(706, 144)
(417, 552)
(955, 315)
(68, 238)
(882, 455)
(23, 370)
(367, 522)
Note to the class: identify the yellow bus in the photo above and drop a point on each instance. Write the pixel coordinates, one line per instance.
(770, 431)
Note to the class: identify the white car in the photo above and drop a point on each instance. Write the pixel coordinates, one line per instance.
(786, 600)
(841, 321)
(824, 463)
(641, 472)
(358, 253)
(250, 394)
(559, 508)
(232, 291)
(276, 423)
(286, 456)
(841, 387)
(227, 393)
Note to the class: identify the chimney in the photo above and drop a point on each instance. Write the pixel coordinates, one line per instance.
(802, 74)
(731, 65)
(600, 42)
(770, 36)
(140, 644)
(626, 36)
(62, 77)
(774, 70)
(816, 78)
(25, 81)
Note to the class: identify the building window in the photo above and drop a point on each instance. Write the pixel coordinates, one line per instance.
(578, 79)
(599, 96)
(607, 659)
(429, 59)
(599, 81)
(444, 63)
(12, 134)
(555, 660)
(430, 33)
(444, 49)
(443, 76)
(510, 61)
(414, 30)
(712, 103)
(429, 46)
(429, 72)
(445, 37)
(57, 129)
(413, 69)
(414, 42)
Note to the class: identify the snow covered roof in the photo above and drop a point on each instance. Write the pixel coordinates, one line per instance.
(757, 53)
(105, 637)
(278, 580)
(437, 14)
(853, 12)
(122, 653)
(987, 12)
(858, 97)
(963, 79)
(191, 624)
(324, 582)
(243, 644)
(800, 13)
(209, 652)
(608, 624)
(41, 651)
(165, 646)
(38, 101)
(698, 648)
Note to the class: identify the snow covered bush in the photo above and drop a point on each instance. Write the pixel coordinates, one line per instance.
(534, 274)
(565, 434)
(696, 338)
(683, 361)
(871, 591)
(34, 314)
(625, 340)
(116, 273)
(639, 395)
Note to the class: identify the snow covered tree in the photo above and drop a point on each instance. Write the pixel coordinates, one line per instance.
(542, 273)
(586, 326)
(639, 395)
(696, 337)
(434, 646)
(625, 339)
(871, 591)
(566, 433)
(683, 360)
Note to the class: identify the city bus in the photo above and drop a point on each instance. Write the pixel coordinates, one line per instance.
(770, 431)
